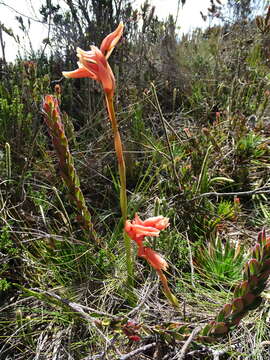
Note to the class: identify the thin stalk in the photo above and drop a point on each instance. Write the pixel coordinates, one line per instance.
(123, 186)
(8, 161)
(167, 290)
(203, 170)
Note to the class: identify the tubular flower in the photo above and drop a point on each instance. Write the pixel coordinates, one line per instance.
(158, 222)
(137, 229)
(153, 258)
(108, 44)
(93, 64)
(138, 232)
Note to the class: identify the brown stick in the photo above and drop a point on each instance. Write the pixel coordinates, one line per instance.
(138, 351)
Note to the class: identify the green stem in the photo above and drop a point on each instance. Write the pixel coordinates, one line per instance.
(123, 188)
(172, 299)
(8, 161)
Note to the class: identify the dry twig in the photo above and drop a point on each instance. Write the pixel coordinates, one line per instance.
(182, 353)
(138, 351)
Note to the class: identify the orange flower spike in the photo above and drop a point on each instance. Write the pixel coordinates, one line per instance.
(134, 230)
(93, 64)
(138, 232)
(50, 103)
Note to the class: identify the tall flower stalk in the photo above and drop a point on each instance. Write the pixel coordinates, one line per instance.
(122, 175)
(55, 125)
(94, 64)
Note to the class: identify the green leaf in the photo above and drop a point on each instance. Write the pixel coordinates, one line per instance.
(253, 267)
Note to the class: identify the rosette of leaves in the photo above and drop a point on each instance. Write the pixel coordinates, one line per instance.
(220, 262)
(247, 294)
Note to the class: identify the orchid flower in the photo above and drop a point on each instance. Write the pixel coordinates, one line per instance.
(137, 230)
(153, 258)
(93, 64)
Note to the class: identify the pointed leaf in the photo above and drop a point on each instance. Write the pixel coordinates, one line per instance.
(253, 282)
(207, 329)
(220, 329)
(266, 250)
(244, 288)
(237, 291)
(266, 265)
(249, 299)
(261, 237)
(256, 252)
(256, 303)
(237, 305)
(254, 267)
(236, 319)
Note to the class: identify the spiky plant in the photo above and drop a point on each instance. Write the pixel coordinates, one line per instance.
(53, 119)
(247, 294)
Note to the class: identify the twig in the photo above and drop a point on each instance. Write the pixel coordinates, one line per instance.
(48, 37)
(177, 12)
(3, 45)
(138, 351)
(261, 190)
(78, 309)
(216, 353)
(145, 296)
(21, 14)
(190, 262)
(181, 355)
(75, 306)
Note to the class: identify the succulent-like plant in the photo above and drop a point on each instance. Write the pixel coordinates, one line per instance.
(55, 125)
(247, 293)
(220, 261)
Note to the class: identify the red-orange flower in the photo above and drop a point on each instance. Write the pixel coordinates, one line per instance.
(137, 229)
(158, 222)
(50, 102)
(93, 64)
(153, 258)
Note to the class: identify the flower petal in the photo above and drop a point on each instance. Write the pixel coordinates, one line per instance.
(145, 230)
(137, 220)
(153, 258)
(111, 40)
(79, 73)
(159, 222)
